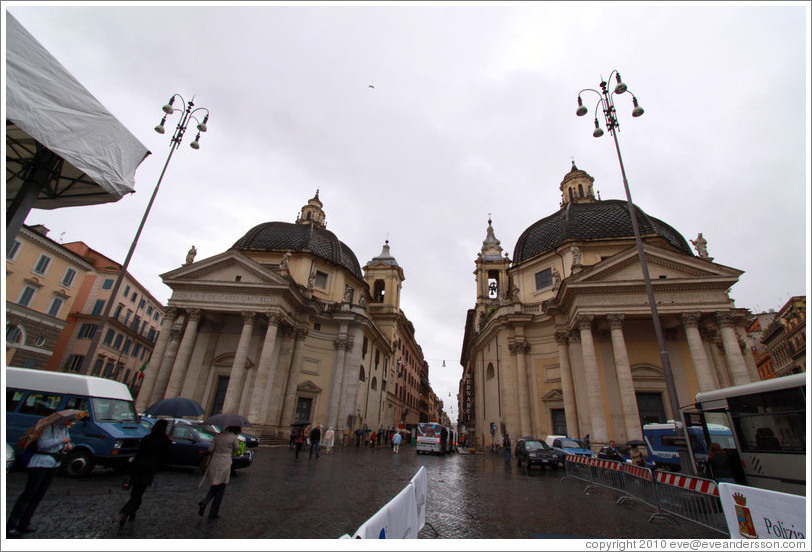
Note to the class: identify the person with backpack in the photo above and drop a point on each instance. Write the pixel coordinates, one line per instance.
(396, 441)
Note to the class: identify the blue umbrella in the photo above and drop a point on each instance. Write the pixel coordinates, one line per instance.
(176, 407)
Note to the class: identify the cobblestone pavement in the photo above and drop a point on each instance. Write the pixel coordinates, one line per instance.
(279, 497)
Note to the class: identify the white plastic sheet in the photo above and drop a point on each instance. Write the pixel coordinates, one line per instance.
(46, 104)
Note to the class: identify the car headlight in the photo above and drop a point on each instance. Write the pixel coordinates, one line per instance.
(118, 443)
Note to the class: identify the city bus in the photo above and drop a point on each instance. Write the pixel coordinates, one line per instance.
(767, 420)
(432, 438)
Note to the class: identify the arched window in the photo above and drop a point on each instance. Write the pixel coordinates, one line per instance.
(14, 334)
(489, 374)
(378, 291)
(572, 194)
(374, 384)
(361, 375)
(580, 190)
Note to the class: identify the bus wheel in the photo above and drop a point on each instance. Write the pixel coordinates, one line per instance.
(78, 464)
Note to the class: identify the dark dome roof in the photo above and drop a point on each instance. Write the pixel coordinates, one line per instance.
(283, 236)
(591, 221)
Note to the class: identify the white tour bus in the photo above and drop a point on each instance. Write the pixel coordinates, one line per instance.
(768, 422)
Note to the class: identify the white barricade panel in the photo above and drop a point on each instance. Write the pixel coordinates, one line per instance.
(396, 520)
(421, 488)
(753, 513)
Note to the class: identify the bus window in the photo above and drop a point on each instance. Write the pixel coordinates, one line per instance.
(772, 421)
(13, 398)
(719, 429)
(40, 404)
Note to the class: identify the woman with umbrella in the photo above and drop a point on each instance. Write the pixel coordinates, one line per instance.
(218, 472)
(51, 438)
(151, 450)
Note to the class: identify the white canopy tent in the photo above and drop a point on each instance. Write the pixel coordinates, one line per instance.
(63, 148)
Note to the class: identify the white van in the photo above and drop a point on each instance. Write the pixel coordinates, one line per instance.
(109, 436)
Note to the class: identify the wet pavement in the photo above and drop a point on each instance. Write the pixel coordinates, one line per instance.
(279, 497)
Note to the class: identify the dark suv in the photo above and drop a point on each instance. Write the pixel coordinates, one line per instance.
(536, 452)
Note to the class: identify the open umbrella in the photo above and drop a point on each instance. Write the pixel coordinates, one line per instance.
(298, 423)
(226, 419)
(32, 433)
(176, 407)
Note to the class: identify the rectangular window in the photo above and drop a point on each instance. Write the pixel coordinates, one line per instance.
(67, 279)
(127, 291)
(321, 279)
(108, 337)
(134, 297)
(149, 310)
(98, 307)
(12, 253)
(87, 331)
(40, 404)
(151, 334)
(107, 284)
(544, 279)
(127, 316)
(97, 367)
(26, 296)
(141, 304)
(73, 363)
(108, 369)
(117, 343)
(127, 344)
(42, 264)
(119, 307)
(136, 350)
(56, 304)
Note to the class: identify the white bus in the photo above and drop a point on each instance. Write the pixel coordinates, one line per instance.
(432, 438)
(768, 422)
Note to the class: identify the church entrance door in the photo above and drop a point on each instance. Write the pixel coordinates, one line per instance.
(650, 407)
(303, 407)
(219, 395)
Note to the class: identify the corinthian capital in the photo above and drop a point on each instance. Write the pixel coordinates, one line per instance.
(615, 321)
(584, 321)
(248, 317)
(690, 319)
(194, 315)
(519, 347)
(562, 337)
(274, 318)
(724, 319)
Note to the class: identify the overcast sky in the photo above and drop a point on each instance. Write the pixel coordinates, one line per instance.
(472, 112)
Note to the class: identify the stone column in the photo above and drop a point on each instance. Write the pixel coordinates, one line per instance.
(567, 389)
(181, 363)
(342, 344)
(235, 380)
(288, 406)
(733, 353)
(704, 377)
(166, 366)
(518, 348)
(625, 383)
(265, 368)
(599, 434)
(714, 346)
(349, 382)
(151, 373)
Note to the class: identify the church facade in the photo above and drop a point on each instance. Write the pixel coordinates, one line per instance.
(560, 340)
(282, 327)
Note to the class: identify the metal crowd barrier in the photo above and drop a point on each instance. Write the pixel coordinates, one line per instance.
(691, 498)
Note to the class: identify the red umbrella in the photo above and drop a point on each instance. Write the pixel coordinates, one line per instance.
(32, 433)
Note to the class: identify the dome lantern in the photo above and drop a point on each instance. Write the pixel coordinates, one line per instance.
(577, 187)
(312, 213)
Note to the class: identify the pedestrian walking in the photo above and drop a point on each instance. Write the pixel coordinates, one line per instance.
(218, 472)
(358, 434)
(506, 447)
(586, 440)
(329, 440)
(396, 441)
(372, 439)
(315, 438)
(293, 432)
(379, 435)
(151, 451)
(298, 441)
(51, 440)
(720, 464)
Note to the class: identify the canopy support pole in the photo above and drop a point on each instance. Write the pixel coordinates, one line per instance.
(41, 168)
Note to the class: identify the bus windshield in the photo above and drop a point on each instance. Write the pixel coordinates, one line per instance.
(428, 430)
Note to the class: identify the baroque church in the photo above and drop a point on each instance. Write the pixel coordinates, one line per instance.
(561, 340)
(284, 326)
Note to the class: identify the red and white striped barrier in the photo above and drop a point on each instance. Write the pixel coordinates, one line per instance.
(578, 459)
(688, 483)
(637, 471)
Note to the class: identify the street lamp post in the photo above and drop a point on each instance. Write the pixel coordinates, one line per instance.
(187, 114)
(606, 103)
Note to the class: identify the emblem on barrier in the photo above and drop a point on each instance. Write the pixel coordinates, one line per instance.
(746, 527)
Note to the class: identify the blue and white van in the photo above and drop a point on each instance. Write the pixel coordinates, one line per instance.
(660, 441)
(109, 436)
(568, 445)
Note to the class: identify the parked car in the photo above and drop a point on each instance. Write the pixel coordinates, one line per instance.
(567, 445)
(621, 454)
(190, 444)
(534, 452)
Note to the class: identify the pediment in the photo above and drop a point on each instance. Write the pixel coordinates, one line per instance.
(309, 387)
(228, 267)
(662, 264)
(553, 395)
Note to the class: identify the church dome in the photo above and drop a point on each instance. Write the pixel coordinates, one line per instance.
(307, 235)
(596, 220)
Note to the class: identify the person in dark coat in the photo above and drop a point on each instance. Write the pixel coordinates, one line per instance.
(151, 452)
(720, 464)
(315, 438)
